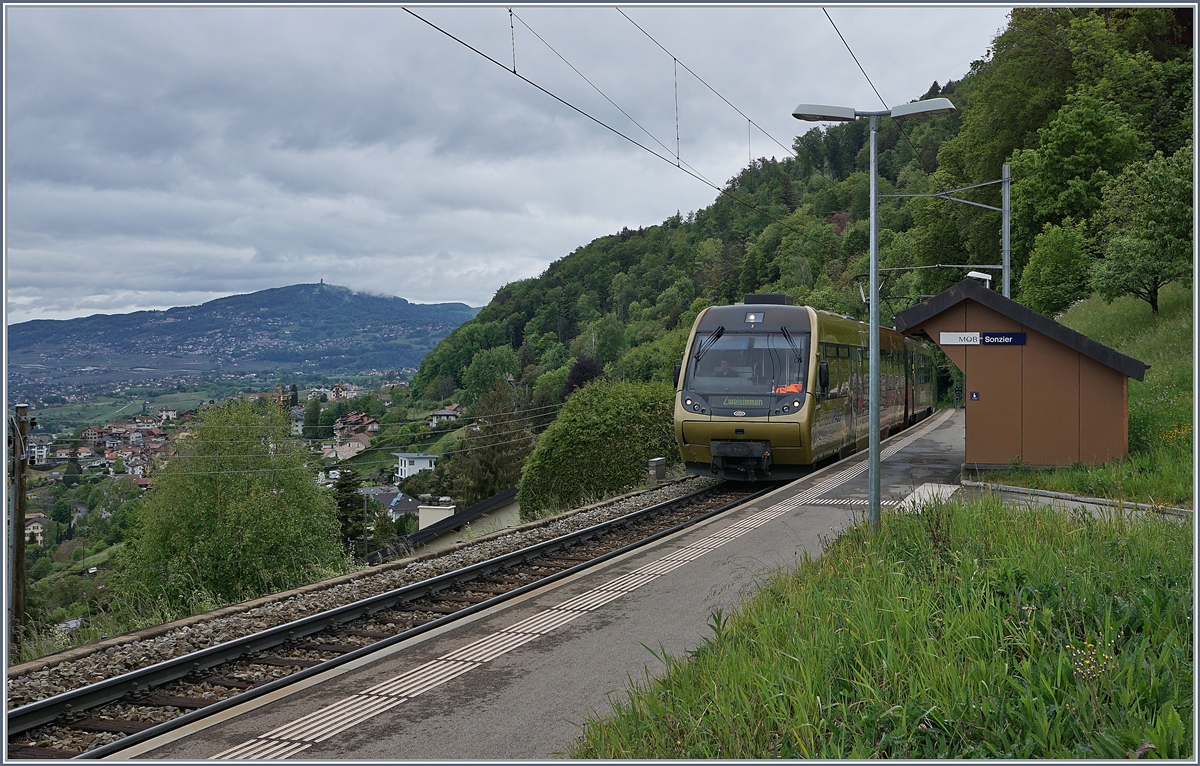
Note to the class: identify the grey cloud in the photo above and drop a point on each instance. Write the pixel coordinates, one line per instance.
(197, 152)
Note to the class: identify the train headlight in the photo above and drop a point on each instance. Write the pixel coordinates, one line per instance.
(796, 405)
(687, 402)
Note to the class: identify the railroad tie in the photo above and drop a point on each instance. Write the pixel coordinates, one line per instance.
(336, 648)
(170, 700)
(465, 599)
(96, 723)
(228, 683)
(28, 752)
(365, 633)
(284, 662)
(496, 589)
(441, 609)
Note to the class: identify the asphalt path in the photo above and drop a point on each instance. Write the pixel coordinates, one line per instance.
(517, 681)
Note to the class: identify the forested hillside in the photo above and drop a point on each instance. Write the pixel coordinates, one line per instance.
(1091, 108)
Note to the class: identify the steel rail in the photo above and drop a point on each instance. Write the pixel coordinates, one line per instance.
(548, 546)
(129, 686)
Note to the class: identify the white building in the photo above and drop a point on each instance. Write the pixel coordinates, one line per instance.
(411, 463)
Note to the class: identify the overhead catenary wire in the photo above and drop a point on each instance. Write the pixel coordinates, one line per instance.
(750, 122)
(856, 61)
(704, 83)
(736, 199)
(618, 108)
(513, 36)
(903, 132)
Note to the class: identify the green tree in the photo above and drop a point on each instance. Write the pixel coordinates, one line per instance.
(71, 473)
(312, 418)
(349, 508)
(1057, 273)
(60, 514)
(610, 338)
(1148, 234)
(487, 367)
(234, 515)
(493, 456)
(1086, 144)
(107, 496)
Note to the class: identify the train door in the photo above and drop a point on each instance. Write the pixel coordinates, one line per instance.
(856, 410)
(827, 420)
(909, 381)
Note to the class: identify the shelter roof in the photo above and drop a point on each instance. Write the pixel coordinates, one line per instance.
(970, 289)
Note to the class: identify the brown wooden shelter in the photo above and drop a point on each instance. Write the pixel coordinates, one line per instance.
(1035, 390)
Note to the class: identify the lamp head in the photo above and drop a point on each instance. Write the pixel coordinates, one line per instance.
(929, 108)
(980, 275)
(822, 113)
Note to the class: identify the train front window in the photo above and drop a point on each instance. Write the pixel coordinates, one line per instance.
(750, 363)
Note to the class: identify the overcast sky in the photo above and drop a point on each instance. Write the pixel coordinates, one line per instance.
(165, 156)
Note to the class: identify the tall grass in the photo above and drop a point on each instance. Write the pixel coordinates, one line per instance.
(1159, 468)
(964, 631)
(126, 612)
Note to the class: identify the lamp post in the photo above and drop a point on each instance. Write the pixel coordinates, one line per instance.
(821, 113)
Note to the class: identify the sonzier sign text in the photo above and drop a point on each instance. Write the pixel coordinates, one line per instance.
(1003, 338)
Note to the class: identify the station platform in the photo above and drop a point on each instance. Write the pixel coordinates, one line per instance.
(517, 681)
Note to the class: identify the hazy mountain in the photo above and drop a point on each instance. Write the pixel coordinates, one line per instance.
(315, 328)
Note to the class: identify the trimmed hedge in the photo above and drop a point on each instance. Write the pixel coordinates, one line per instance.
(598, 445)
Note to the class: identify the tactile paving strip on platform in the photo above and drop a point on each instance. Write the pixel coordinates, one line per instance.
(318, 726)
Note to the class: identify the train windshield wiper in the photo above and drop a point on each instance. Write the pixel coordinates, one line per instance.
(707, 344)
(788, 337)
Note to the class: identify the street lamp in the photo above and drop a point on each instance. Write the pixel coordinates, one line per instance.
(981, 275)
(821, 113)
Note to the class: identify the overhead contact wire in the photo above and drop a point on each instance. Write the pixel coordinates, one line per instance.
(617, 107)
(607, 127)
(903, 132)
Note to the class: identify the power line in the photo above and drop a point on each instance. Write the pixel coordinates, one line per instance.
(903, 132)
(384, 425)
(860, 66)
(701, 79)
(167, 470)
(380, 448)
(607, 127)
(615, 105)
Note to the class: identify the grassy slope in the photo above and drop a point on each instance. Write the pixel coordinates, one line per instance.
(1160, 465)
(964, 631)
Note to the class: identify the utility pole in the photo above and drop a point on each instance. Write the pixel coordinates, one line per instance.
(366, 548)
(20, 462)
(1006, 217)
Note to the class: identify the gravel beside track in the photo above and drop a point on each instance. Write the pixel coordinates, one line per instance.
(55, 677)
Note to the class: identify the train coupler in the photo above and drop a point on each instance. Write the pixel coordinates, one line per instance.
(741, 460)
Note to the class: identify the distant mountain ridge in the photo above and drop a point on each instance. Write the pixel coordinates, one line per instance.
(316, 327)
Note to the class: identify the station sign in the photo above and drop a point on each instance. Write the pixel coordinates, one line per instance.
(982, 338)
(959, 339)
(1003, 339)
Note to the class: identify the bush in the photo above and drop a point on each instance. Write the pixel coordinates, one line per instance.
(598, 445)
(235, 515)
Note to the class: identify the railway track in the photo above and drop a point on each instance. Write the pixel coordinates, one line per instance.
(114, 713)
